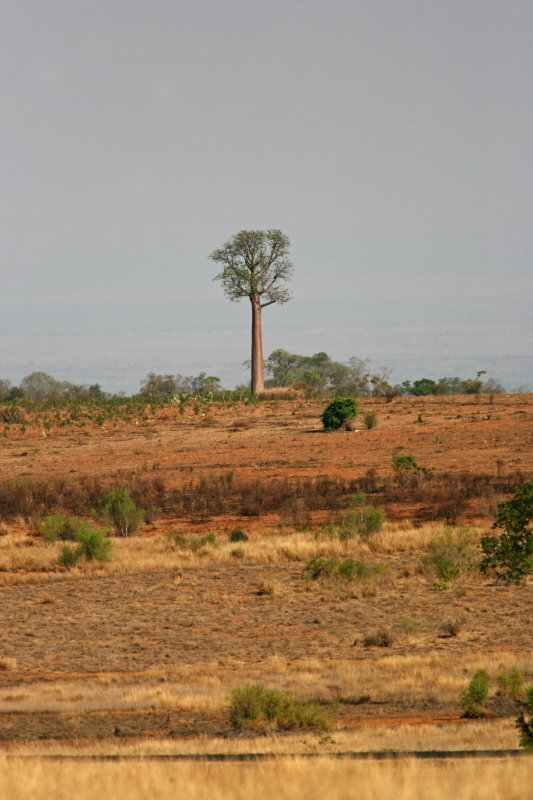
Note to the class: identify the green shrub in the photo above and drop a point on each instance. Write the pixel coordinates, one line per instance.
(362, 520)
(196, 544)
(253, 706)
(338, 412)
(525, 726)
(407, 472)
(348, 569)
(510, 554)
(93, 544)
(69, 557)
(119, 510)
(318, 566)
(370, 419)
(473, 698)
(511, 683)
(448, 555)
(63, 528)
(238, 535)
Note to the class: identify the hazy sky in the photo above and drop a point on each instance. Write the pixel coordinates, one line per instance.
(391, 141)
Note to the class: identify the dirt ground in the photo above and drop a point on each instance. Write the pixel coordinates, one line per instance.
(99, 630)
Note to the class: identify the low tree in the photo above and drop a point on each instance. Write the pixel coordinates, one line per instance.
(511, 553)
(40, 386)
(256, 265)
(320, 372)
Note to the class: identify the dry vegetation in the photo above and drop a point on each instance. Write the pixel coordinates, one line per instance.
(138, 654)
(295, 778)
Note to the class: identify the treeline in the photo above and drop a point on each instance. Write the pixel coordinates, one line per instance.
(314, 375)
(354, 378)
(42, 386)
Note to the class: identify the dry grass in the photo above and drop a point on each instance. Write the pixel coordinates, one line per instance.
(404, 680)
(463, 735)
(294, 779)
(27, 559)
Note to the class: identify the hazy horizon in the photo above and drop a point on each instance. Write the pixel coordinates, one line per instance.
(390, 142)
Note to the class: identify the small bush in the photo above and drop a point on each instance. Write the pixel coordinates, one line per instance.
(473, 698)
(338, 412)
(238, 535)
(69, 557)
(407, 472)
(510, 554)
(318, 566)
(362, 520)
(511, 683)
(253, 706)
(453, 627)
(410, 626)
(347, 570)
(448, 555)
(93, 544)
(525, 726)
(196, 544)
(370, 419)
(380, 638)
(267, 588)
(65, 529)
(119, 510)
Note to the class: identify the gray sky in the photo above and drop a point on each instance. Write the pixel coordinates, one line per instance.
(391, 141)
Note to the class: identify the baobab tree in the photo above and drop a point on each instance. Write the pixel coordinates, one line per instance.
(255, 264)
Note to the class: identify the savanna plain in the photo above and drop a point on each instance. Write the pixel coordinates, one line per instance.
(338, 568)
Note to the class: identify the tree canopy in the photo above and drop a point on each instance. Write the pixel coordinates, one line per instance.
(255, 264)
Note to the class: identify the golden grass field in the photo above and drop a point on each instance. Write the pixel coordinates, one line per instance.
(137, 655)
(295, 778)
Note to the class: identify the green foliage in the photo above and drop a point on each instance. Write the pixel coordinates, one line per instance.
(63, 528)
(362, 520)
(511, 683)
(370, 419)
(410, 626)
(253, 706)
(447, 386)
(473, 698)
(119, 510)
(319, 372)
(347, 570)
(69, 557)
(181, 388)
(195, 544)
(318, 566)
(510, 554)
(449, 554)
(93, 545)
(238, 535)
(338, 412)
(422, 387)
(407, 472)
(525, 726)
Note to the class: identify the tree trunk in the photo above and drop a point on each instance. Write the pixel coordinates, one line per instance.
(258, 382)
